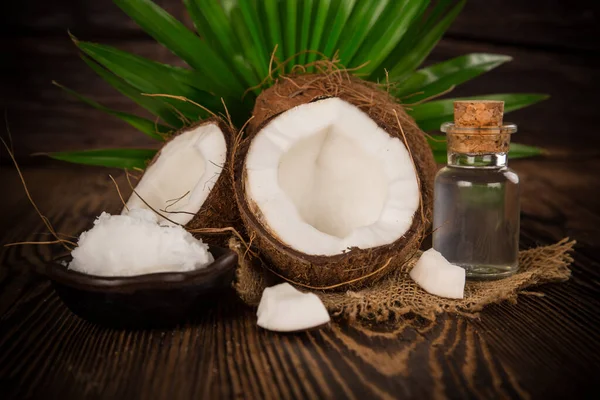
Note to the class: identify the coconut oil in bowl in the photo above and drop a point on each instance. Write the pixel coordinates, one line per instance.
(476, 196)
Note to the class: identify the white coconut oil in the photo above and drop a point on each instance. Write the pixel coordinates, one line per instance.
(476, 202)
(135, 244)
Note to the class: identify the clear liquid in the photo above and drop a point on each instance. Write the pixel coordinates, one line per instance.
(476, 220)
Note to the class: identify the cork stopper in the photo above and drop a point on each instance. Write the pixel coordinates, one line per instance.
(478, 128)
(478, 113)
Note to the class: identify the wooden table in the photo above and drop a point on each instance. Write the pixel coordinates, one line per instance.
(542, 347)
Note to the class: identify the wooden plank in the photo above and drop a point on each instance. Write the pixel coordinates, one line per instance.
(540, 347)
(554, 205)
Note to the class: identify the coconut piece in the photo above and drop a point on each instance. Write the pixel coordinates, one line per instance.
(437, 276)
(135, 244)
(188, 181)
(283, 308)
(331, 188)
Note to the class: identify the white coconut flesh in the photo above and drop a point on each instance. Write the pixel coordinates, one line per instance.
(326, 178)
(283, 308)
(181, 178)
(434, 274)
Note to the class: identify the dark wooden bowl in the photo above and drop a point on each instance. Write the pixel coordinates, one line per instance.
(143, 301)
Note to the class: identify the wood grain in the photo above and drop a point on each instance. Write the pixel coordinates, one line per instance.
(540, 348)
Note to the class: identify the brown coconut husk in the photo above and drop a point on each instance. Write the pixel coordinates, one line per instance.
(357, 267)
(219, 213)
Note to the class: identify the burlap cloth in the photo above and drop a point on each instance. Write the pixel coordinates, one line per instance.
(396, 297)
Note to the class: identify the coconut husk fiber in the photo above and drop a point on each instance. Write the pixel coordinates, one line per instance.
(397, 297)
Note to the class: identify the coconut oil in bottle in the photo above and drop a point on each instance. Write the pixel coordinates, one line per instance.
(476, 196)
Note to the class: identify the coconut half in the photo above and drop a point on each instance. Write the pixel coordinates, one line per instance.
(188, 181)
(332, 187)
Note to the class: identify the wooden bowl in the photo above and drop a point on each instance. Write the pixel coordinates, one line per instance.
(143, 301)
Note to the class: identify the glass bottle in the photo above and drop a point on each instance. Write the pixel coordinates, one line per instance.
(476, 196)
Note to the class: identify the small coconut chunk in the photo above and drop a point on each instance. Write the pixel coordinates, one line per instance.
(183, 174)
(135, 244)
(282, 308)
(437, 276)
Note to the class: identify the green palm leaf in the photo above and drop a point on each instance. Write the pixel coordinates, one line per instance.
(414, 55)
(318, 27)
(338, 16)
(271, 14)
(155, 131)
(386, 35)
(175, 36)
(257, 63)
(230, 52)
(115, 158)
(364, 17)
(155, 106)
(305, 29)
(252, 21)
(214, 30)
(523, 151)
(290, 10)
(213, 26)
(155, 78)
(438, 78)
(432, 115)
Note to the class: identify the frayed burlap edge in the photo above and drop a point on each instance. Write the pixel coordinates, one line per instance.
(396, 297)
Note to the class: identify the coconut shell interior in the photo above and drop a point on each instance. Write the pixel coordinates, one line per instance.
(219, 210)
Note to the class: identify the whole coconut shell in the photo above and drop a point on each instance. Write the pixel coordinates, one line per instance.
(357, 267)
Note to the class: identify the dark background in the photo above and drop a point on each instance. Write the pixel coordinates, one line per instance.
(555, 45)
(542, 347)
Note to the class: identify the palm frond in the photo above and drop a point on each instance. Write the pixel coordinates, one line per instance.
(305, 28)
(114, 158)
(413, 54)
(386, 35)
(156, 107)
(152, 129)
(439, 78)
(318, 27)
(271, 13)
(338, 16)
(235, 41)
(213, 26)
(167, 30)
(433, 114)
